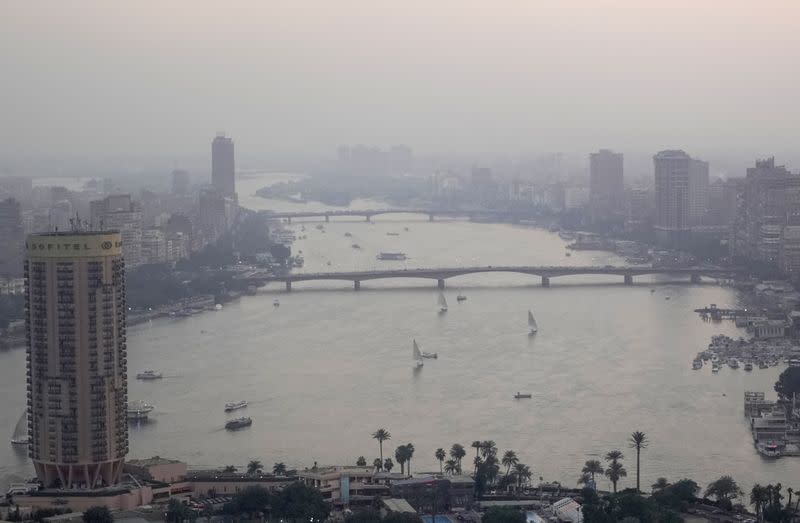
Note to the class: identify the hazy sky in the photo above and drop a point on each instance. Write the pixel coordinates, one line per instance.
(161, 77)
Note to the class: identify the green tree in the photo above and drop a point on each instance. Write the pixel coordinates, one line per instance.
(381, 435)
(254, 467)
(477, 446)
(758, 498)
(488, 448)
(279, 469)
(592, 467)
(503, 515)
(451, 467)
(660, 484)
(377, 463)
(440, 455)
(388, 464)
(401, 456)
(298, 502)
(638, 441)
(361, 461)
(723, 489)
(99, 514)
(251, 500)
(177, 512)
(523, 474)
(409, 454)
(229, 469)
(788, 383)
(364, 515)
(678, 495)
(401, 517)
(615, 470)
(509, 460)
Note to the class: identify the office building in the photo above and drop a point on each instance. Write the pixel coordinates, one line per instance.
(698, 191)
(180, 182)
(77, 361)
(638, 211)
(672, 195)
(154, 246)
(606, 189)
(120, 212)
(11, 239)
(223, 166)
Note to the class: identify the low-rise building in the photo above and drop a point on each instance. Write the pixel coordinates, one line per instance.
(157, 469)
(343, 486)
(431, 494)
(213, 483)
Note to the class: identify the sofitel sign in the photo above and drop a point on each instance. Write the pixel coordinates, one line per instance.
(42, 245)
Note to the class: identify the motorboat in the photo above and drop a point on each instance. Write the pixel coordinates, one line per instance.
(442, 302)
(149, 375)
(276, 302)
(235, 405)
(20, 435)
(748, 366)
(733, 363)
(400, 256)
(697, 364)
(461, 296)
(355, 246)
(392, 234)
(763, 365)
(138, 410)
(521, 395)
(769, 449)
(715, 368)
(567, 254)
(532, 323)
(238, 423)
(347, 234)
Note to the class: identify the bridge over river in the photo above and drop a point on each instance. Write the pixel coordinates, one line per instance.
(441, 274)
(431, 213)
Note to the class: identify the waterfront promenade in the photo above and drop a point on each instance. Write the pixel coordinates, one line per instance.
(443, 273)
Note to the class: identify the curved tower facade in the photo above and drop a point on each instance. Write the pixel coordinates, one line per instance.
(77, 360)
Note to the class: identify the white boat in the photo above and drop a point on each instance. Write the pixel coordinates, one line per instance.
(138, 410)
(20, 436)
(521, 395)
(276, 302)
(715, 368)
(235, 405)
(149, 375)
(532, 323)
(391, 256)
(442, 302)
(429, 355)
(417, 355)
(461, 296)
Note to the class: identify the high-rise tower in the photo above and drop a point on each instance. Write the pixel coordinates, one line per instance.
(77, 360)
(223, 166)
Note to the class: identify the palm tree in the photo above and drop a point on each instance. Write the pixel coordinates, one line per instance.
(614, 472)
(400, 456)
(790, 491)
(585, 479)
(758, 497)
(388, 464)
(440, 455)
(523, 473)
(381, 435)
(279, 469)
(409, 455)
(230, 469)
(254, 466)
(451, 466)
(614, 455)
(592, 467)
(660, 484)
(488, 448)
(509, 460)
(477, 446)
(377, 463)
(457, 452)
(361, 461)
(638, 441)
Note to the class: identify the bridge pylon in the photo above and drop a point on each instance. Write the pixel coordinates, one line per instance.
(357, 285)
(545, 281)
(288, 285)
(629, 279)
(440, 284)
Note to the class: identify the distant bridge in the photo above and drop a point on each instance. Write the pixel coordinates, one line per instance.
(544, 272)
(369, 213)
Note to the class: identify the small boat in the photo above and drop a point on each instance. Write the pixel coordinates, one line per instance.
(520, 395)
(218, 307)
(391, 256)
(461, 296)
(748, 366)
(532, 323)
(652, 291)
(138, 410)
(733, 363)
(417, 355)
(567, 254)
(235, 405)
(20, 435)
(355, 246)
(329, 263)
(442, 302)
(276, 302)
(715, 368)
(405, 229)
(697, 364)
(666, 297)
(238, 423)
(392, 234)
(347, 234)
(320, 227)
(769, 450)
(763, 365)
(149, 375)
(423, 354)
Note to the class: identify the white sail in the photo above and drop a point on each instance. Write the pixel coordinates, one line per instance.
(417, 355)
(20, 435)
(442, 301)
(532, 322)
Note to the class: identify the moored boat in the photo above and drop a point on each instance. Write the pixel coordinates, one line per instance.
(697, 364)
(748, 366)
(149, 375)
(138, 410)
(391, 256)
(238, 423)
(522, 395)
(235, 405)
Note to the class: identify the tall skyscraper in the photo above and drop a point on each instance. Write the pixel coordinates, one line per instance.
(11, 238)
(606, 188)
(698, 191)
(223, 166)
(180, 181)
(672, 195)
(77, 359)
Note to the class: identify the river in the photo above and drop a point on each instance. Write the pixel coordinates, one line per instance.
(330, 365)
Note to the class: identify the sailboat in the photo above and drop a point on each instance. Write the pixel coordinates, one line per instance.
(417, 355)
(442, 303)
(461, 296)
(430, 355)
(20, 436)
(532, 323)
